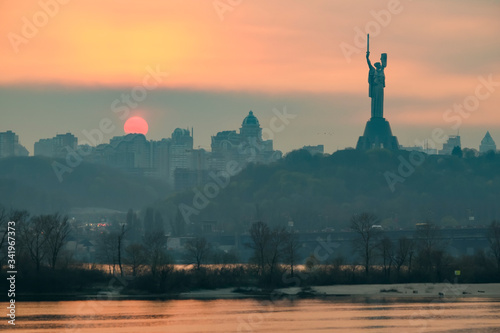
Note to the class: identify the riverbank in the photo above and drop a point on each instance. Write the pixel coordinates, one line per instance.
(413, 290)
(410, 290)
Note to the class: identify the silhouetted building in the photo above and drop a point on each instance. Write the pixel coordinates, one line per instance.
(242, 148)
(134, 154)
(160, 153)
(250, 128)
(174, 159)
(319, 149)
(9, 145)
(453, 141)
(131, 153)
(487, 144)
(181, 151)
(58, 146)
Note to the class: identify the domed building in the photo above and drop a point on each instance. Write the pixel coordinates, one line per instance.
(244, 147)
(178, 163)
(250, 128)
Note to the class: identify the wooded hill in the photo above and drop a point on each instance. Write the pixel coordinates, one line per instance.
(317, 192)
(31, 183)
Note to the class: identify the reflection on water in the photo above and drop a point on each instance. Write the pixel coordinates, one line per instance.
(247, 315)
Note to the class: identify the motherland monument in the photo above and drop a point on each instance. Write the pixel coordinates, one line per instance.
(378, 132)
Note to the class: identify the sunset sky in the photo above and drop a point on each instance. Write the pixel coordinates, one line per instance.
(63, 64)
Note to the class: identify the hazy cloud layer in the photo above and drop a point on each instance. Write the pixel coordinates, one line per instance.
(263, 54)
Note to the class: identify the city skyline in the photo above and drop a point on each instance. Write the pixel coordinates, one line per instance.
(174, 160)
(88, 137)
(66, 75)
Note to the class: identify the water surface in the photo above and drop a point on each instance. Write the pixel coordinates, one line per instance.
(249, 315)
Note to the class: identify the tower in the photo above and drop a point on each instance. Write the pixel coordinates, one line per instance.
(487, 144)
(377, 132)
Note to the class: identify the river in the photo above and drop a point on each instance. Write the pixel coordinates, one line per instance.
(249, 315)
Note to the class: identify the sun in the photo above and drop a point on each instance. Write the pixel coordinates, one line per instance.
(136, 125)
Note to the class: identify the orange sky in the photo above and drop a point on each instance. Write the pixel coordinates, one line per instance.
(285, 45)
(436, 49)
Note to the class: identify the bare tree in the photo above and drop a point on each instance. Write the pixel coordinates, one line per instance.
(367, 236)
(429, 247)
(291, 248)
(56, 239)
(197, 251)
(260, 235)
(120, 236)
(276, 249)
(269, 247)
(110, 250)
(34, 235)
(403, 254)
(106, 250)
(386, 249)
(135, 256)
(155, 245)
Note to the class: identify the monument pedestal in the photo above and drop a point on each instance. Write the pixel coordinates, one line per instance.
(377, 134)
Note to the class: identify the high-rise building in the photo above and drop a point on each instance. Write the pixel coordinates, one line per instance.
(58, 146)
(181, 152)
(9, 145)
(160, 153)
(453, 141)
(487, 144)
(163, 159)
(174, 159)
(131, 152)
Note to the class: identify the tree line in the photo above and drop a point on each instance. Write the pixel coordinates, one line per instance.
(141, 255)
(39, 238)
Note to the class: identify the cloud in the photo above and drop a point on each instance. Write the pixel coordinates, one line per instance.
(264, 54)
